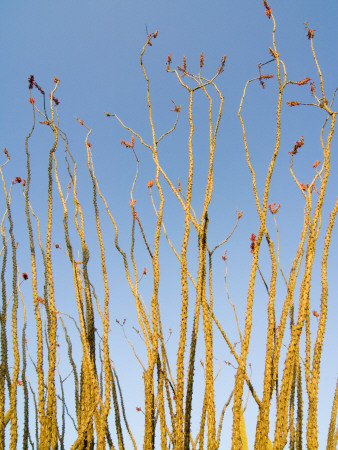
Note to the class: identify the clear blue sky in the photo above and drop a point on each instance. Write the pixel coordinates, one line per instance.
(93, 48)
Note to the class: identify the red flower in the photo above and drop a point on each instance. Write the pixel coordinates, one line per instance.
(128, 144)
(253, 241)
(273, 208)
(17, 180)
(297, 145)
(201, 60)
(310, 33)
(304, 186)
(41, 300)
(316, 164)
(267, 9)
(25, 276)
(31, 100)
(313, 88)
(315, 313)
(144, 271)
(304, 81)
(150, 184)
(293, 103)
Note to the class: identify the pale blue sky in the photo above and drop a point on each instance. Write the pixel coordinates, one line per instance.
(93, 48)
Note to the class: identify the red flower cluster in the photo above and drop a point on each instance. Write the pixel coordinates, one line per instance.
(310, 33)
(267, 9)
(184, 66)
(263, 77)
(297, 146)
(293, 103)
(313, 88)
(274, 208)
(128, 144)
(273, 53)
(253, 242)
(201, 60)
(304, 81)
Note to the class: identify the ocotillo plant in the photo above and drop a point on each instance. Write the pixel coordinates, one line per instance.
(79, 351)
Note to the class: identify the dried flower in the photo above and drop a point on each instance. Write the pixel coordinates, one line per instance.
(316, 164)
(31, 82)
(224, 257)
(138, 408)
(176, 108)
(155, 34)
(239, 213)
(89, 144)
(56, 246)
(202, 364)
(56, 80)
(150, 184)
(6, 153)
(304, 187)
(297, 146)
(107, 114)
(17, 180)
(169, 61)
(314, 312)
(25, 276)
(20, 382)
(170, 331)
(293, 103)
(44, 122)
(274, 208)
(201, 60)
(132, 203)
(79, 120)
(221, 66)
(31, 100)
(144, 271)
(56, 101)
(304, 81)
(184, 66)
